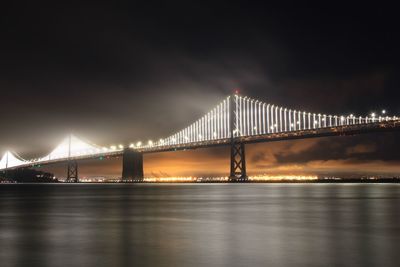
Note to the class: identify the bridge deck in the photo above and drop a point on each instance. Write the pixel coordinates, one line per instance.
(345, 130)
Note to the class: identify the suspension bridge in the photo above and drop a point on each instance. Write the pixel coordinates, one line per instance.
(234, 122)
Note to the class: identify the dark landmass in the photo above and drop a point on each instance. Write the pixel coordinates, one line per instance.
(27, 176)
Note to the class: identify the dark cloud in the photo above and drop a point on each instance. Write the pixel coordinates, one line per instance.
(361, 148)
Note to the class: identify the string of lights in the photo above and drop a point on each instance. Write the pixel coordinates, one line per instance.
(251, 117)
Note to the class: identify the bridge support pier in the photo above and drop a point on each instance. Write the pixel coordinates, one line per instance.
(132, 166)
(238, 163)
(72, 172)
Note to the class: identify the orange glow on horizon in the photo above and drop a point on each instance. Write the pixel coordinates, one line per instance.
(261, 159)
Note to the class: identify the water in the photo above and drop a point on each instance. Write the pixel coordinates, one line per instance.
(200, 225)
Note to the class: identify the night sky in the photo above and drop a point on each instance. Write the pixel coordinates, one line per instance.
(117, 73)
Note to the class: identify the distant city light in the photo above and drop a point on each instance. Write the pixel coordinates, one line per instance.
(283, 177)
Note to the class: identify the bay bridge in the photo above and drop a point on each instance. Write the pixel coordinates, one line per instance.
(235, 122)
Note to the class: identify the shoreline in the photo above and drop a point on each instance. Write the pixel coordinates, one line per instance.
(339, 181)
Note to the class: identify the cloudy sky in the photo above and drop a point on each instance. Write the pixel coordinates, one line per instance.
(116, 73)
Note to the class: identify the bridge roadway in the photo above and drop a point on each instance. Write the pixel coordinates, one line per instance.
(345, 130)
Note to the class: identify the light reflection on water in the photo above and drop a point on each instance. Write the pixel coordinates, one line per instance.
(200, 225)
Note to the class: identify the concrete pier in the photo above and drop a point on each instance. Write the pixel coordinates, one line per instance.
(132, 166)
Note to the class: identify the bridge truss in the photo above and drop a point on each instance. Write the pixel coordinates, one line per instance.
(234, 121)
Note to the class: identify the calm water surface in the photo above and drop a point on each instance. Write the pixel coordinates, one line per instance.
(200, 225)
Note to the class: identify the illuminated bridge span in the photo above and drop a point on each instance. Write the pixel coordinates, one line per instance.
(235, 121)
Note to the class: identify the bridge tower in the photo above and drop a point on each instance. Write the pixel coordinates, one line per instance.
(6, 170)
(132, 166)
(238, 160)
(72, 171)
(72, 165)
